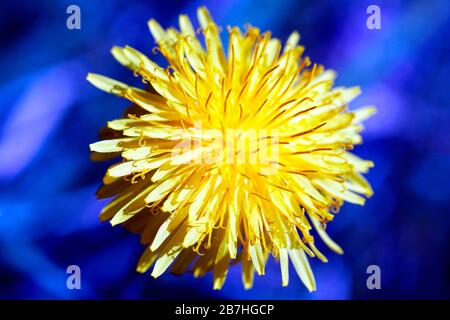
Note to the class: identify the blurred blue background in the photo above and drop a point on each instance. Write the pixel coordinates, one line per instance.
(50, 114)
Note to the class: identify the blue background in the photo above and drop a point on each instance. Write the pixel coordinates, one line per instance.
(50, 114)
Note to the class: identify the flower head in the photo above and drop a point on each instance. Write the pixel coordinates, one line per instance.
(230, 157)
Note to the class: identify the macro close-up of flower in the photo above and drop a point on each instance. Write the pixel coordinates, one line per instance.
(224, 157)
(231, 154)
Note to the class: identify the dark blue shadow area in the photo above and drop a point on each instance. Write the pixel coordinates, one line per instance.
(50, 114)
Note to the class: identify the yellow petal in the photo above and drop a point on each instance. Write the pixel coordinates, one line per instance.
(284, 263)
(303, 268)
(107, 84)
(257, 256)
(111, 145)
(325, 237)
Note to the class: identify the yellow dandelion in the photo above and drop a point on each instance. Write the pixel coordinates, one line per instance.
(230, 157)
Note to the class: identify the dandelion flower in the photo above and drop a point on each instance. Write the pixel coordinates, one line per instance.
(230, 156)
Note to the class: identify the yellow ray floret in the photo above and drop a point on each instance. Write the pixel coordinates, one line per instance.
(230, 155)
